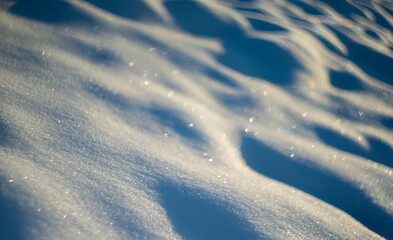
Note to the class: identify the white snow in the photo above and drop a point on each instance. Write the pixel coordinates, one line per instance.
(196, 119)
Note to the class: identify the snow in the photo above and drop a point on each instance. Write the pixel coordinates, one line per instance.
(230, 119)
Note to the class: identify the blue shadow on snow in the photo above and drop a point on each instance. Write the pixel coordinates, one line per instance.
(174, 121)
(177, 57)
(250, 56)
(345, 81)
(264, 26)
(379, 151)
(50, 11)
(168, 118)
(387, 122)
(195, 216)
(117, 100)
(373, 63)
(321, 184)
(94, 54)
(9, 137)
(13, 220)
(307, 8)
(6, 137)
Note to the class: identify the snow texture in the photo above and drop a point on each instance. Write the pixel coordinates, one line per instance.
(209, 119)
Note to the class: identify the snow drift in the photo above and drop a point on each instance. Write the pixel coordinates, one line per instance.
(152, 119)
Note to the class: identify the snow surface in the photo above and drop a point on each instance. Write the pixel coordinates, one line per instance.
(226, 119)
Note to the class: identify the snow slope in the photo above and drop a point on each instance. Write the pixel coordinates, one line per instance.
(226, 119)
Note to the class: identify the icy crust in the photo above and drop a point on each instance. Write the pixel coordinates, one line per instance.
(196, 120)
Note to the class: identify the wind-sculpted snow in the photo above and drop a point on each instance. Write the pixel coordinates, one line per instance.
(196, 119)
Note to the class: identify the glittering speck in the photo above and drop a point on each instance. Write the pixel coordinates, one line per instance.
(292, 155)
(251, 119)
(170, 93)
(131, 64)
(191, 125)
(316, 20)
(349, 23)
(259, 16)
(246, 129)
(11, 180)
(304, 114)
(210, 160)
